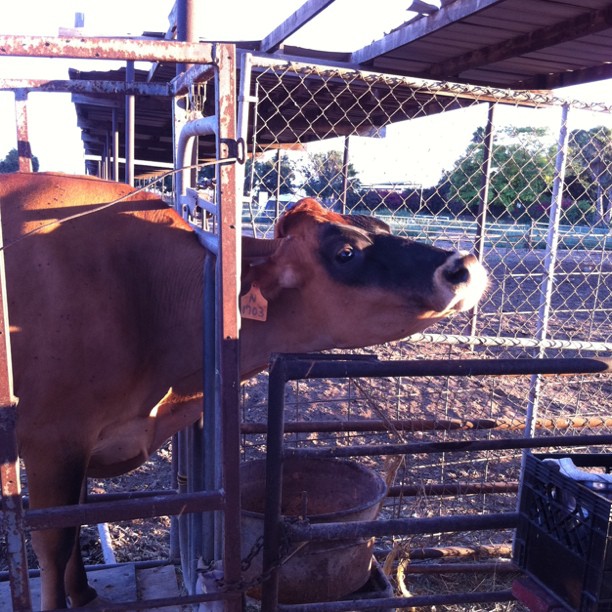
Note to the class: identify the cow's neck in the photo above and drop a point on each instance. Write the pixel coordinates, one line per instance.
(280, 333)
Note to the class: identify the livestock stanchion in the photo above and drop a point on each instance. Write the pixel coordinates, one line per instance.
(285, 368)
(205, 494)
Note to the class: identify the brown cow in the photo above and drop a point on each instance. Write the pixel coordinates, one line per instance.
(105, 312)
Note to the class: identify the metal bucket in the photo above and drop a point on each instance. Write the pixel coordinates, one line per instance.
(322, 490)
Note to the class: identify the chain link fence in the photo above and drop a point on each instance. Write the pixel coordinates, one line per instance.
(522, 179)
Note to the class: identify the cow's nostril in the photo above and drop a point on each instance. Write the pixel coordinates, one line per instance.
(458, 276)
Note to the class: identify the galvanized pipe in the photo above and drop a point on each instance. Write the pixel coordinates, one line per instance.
(130, 126)
(483, 204)
(550, 259)
(115, 149)
(205, 126)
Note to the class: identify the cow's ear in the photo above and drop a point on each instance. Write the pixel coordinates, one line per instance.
(259, 249)
(264, 264)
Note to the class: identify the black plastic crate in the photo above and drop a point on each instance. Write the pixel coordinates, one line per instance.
(563, 539)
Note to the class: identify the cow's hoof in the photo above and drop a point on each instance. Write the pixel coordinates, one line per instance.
(88, 598)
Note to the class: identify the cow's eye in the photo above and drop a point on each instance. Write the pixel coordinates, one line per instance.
(345, 254)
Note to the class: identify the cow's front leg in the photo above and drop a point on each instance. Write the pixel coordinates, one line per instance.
(55, 478)
(78, 589)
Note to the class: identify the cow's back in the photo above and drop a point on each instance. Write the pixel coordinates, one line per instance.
(33, 201)
(89, 297)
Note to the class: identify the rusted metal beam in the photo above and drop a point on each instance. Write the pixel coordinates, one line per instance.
(479, 551)
(24, 150)
(228, 290)
(137, 49)
(85, 86)
(503, 424)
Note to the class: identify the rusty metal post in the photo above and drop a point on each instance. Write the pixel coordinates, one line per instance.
(24, 151)
(228, 288)
(12, 508)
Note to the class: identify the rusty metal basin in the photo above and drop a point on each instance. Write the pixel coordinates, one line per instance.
(323, 490)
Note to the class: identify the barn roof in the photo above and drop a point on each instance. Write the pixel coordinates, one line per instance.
(514, 44)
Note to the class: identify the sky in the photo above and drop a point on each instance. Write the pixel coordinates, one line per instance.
(416, 150)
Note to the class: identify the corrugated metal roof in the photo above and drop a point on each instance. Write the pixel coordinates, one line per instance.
(519, 44)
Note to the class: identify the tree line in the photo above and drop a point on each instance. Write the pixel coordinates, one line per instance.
(520, 182)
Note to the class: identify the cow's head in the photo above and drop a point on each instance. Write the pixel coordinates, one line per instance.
(355, 282)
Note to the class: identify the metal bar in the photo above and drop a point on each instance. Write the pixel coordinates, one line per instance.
(23, 140)
(388, 603)
(550, 259)
(454, 446)
(461, 568)
(212, 444)
(130, 127)
(12, 509)
(106, 48)
(181, 83)
(274, 477)
(454, 552)
(459, 488)
(97, 512)
(184, 153)
(412, 425)
(81, 86)
(483, 204)
(345, 177)
(311, 367)
(501, 341)
(228, 330)
(349, 530)
(115, 131)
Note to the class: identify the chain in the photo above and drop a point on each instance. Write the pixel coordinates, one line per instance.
(284, 555)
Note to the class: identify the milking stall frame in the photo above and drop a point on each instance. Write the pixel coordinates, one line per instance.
(207, 462)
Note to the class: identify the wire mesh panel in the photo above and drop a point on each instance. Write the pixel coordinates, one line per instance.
(463, 167)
